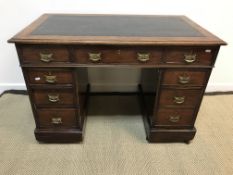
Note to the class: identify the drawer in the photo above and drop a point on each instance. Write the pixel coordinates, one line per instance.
(44, 54)
(57, 118)
(49, 76)
(174, 117)
(120, 55)
(185, 77)
(54, 98)
(180, 97)
(189, 55)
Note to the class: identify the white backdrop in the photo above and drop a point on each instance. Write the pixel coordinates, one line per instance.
(214, 15)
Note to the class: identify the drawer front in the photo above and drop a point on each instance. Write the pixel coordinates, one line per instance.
(180, 97)
(50, 76)
(44, 54)
(57, 118)
(121, 55)
(174, 117)
(184, 77)
(188, 55)
(61, 97)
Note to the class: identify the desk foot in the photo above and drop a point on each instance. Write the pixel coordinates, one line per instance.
(61, 136)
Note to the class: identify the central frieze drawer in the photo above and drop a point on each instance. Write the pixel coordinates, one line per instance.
(180, 97)
(57, 97)
(44, 54)
(57, 118)
(49, 76)
(108, 54)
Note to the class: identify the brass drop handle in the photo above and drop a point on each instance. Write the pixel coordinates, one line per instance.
(190, 58)
(143, 57)
(95, 57)
(174, 118)
(179, 100)
(46, 57)
(56, 121)
(184, 79)
(53, 98)
(50, 78)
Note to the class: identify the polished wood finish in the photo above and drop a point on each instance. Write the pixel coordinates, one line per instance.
(32, 54)
(54, 97)
(179, 97)
(68, 118)
(37, 76)
(185, 77)
(117, 55)
(174, 117)
(175, 56)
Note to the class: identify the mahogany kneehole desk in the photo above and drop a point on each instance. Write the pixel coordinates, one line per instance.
(175, 56)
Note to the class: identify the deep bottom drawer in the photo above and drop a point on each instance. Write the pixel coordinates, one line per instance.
(174, 117)
(57, 118)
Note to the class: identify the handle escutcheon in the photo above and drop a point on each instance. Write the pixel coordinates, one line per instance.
(179, 100)
(190, 58)
(50, 78)
(56, 121)
(143, 57)
(174, 118)
(46, 57)
(53, 98)
(184, 79)
(95, 57)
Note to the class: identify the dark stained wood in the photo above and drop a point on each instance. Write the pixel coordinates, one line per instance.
(67, 116)
(117, 55)
(196, 77)
(65, 97)
(176, 55)
(164, 117)
(149, 89)
(56, 47)
(154, 134)
(38, 76)
(112, 65)
(31, 53)
(159, 56)
(191, 97)
(59, 135)
(82, 88)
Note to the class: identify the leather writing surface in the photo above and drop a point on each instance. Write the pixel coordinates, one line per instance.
(121, 25)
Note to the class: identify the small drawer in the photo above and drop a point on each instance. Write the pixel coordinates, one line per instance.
(180, 97)
(174, 117)
(184, 77)
(54, 98)
(49, 76)
(189, 55)
(118, 55)
(44, 54)
(57, 118)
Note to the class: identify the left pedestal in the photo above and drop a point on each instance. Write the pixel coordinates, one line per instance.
(58, 94)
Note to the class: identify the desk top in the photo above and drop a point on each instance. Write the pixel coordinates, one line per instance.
(115, 29)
